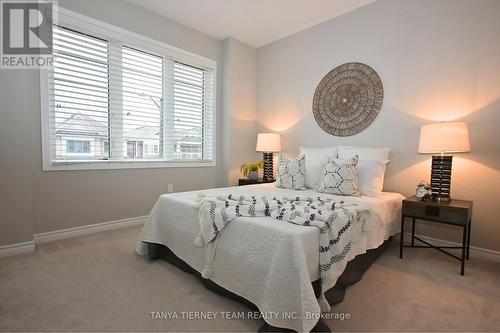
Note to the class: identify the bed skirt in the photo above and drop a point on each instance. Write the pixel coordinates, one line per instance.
(353, 273)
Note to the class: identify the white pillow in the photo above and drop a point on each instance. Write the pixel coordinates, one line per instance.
(371, 176)
(371, 166)
(377, 154)
(315, 158)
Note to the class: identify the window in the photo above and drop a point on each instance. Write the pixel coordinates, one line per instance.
(115, 101)
(105, 147)
(135, 149)
(79, 93)
(188, 111)
(152, 149)
(78, 147)
(186, 150)
(142, 101)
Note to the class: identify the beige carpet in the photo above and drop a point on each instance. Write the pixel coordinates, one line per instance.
(97, 283)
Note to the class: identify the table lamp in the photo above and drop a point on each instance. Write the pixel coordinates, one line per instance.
(441, 138)
(268, 143)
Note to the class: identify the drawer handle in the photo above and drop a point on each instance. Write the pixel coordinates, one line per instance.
(431, 211)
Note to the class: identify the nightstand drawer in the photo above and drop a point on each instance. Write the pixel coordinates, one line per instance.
(436, 212)
(246, 181)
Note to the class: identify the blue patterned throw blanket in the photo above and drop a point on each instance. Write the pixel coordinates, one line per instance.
(333, 219)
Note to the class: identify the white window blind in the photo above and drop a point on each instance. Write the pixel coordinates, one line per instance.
(78, 95)
(141, 104)
(192, 110)
(126, 103)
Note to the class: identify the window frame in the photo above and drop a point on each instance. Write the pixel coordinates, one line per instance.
(107, 31)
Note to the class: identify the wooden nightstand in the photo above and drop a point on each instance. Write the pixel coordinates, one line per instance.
(456, 212)
(246, 181)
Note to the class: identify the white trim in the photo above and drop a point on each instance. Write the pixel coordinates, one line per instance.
(84, 22)
(44, 120)
(18, 248)
(116, 165)
(28, 247)
(93, 26)
(475, 252)
(88, 229)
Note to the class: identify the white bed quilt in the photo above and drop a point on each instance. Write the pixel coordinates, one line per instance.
(269, 262)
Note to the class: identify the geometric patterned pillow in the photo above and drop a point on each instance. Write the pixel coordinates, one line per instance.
(340, 177)
(291, 173)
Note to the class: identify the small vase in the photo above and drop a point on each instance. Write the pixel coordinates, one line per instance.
(253, 174)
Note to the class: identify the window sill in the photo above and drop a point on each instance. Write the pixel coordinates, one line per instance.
(114, 165)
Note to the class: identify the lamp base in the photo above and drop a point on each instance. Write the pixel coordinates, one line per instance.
(268, 167)
(441, 178)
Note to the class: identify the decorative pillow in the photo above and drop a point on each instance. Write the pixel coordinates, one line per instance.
(315, 158)
(340, 177)
(377, 154)
(290, 173)
(371, 176)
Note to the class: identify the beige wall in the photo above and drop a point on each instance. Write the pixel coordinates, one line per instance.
(438, 60)
(16, 200)
(238, 107)
(73, 198)
(32, 201)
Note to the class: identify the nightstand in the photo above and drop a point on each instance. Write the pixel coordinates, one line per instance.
(455, 212)
(246, 181)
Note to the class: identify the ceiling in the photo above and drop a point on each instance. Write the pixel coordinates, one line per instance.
(255, 22)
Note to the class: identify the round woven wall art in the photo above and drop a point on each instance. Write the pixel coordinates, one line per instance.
(347, 99)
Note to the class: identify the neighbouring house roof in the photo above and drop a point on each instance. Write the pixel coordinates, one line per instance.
(84, 125)
(143, 132)
(80, 124)
(193, 135)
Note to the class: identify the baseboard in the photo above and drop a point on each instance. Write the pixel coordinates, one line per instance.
(27, 247)
(87, 229)
(475, 252)
(19, 248)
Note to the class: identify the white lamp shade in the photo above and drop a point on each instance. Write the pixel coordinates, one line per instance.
(450, 137)
(268, 142)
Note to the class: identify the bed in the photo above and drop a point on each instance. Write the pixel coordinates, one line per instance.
(272, 264)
